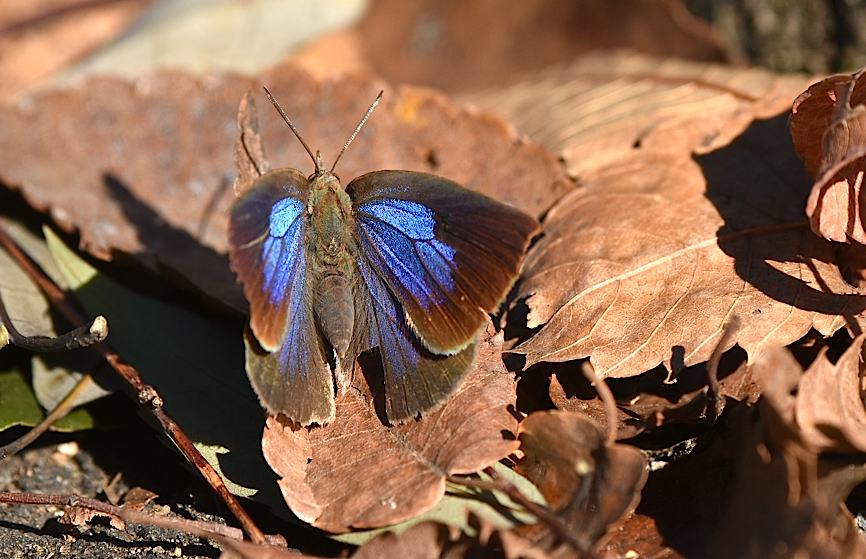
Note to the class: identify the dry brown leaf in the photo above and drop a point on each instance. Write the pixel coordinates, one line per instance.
(426, 540)
(38, 38)
(627, 425)
(146, 168)
(639, 537)
(829, 407)
(434, 540)
(358, 473)
(456, 45)
(250, 158)
(591, 486)
(828, 124)
(781, 503)
(650, 259)
(607, 106)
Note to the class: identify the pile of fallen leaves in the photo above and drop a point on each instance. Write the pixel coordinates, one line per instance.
(677, 373)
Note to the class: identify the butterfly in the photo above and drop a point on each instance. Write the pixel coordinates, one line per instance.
(403, 263)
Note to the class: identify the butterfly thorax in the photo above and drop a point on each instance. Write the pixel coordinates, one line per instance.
(333, 270)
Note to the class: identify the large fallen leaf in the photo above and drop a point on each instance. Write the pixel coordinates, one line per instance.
(40, 37)
(590, 485)
(607, 106)
(828, 124)
(196, 365)
(153, 178)
(653, 256)
(456, 45)
(358, 473)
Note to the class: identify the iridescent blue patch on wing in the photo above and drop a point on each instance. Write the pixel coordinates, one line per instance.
(284, 213)
(399, 254)
(281, 258)
(296, 345)
(414, 220)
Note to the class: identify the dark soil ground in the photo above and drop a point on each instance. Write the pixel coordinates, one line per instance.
(104, 465)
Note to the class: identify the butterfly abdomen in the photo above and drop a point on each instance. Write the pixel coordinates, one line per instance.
(333, 304)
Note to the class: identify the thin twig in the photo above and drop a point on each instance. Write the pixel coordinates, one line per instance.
(227, 536)
(146, 394)
(607, 399)
(198, 528)
(544, 515)
(715, 404)
(61, 409)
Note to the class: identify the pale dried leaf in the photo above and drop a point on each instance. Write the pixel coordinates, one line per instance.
(606, 106)
(650, 259)
(40, 37)
(358, 473)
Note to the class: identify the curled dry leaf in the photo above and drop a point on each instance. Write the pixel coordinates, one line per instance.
(782, 503)
(828, 124)
(358, 473)
(38, 38)
(457, 45)
(829, 406)
(606, 106)
(591, 486)
(153, 180)
(650, 259)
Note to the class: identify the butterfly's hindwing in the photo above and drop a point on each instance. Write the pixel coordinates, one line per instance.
(416, 380)
(268, 237)
(449, 255)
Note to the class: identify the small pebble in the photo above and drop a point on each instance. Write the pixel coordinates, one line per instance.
(69, 449)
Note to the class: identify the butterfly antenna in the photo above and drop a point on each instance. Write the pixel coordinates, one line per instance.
(357, 129)
(292, 126)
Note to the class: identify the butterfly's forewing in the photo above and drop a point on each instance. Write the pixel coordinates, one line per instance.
(267, 237)
(448, 254)
(415, 379)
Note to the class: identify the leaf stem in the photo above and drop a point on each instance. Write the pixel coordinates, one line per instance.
(607, 398)
(715, 404)
(198, 528)
(147, 395)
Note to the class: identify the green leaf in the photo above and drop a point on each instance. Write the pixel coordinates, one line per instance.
(29, 311)
(18, 405)
(454, 508)
(195, 363)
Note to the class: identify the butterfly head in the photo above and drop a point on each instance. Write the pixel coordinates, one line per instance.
(321, 171)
